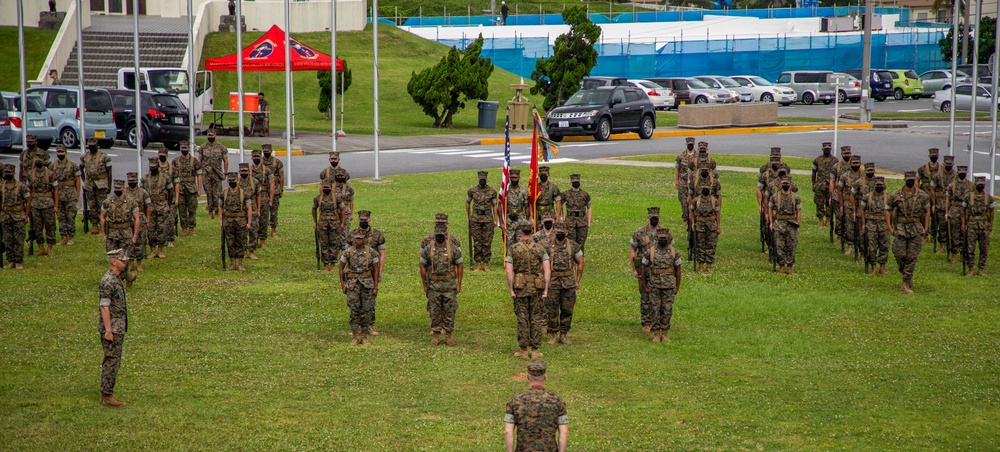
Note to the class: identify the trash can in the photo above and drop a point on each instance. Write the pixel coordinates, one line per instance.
(488, 114)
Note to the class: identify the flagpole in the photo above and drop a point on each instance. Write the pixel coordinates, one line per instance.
(975, 87)
(138, 87)
(333, 74)
(79, 69)
(375, 91)
(505, 183)
(239, 71)
(22, 84)
(191, 74)
(288, 98)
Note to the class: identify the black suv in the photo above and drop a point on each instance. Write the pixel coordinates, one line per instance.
(164, 118)
(602, 111)
(880, 82)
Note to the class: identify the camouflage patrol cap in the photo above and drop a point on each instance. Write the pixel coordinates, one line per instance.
(118, 183)
(61, 148)
(232, 175)
(266, 147)
(775, 158)
(515, 174)
(244, 166)
(949, 159)
(132, 176)
(525, 226)
(980, 180)
(574, 178)
(119, 254)
(543, 170)
(548, 215)
(340, 172)
(869, 166)
(704, 164)
(8, 168)
(154, 162)
(827, 145)
(782, 171)
(663, 233)
(845, 149)
(185, 146)
(560, 226)
(537, 368)
(256, 153)
(482, 174)
(776, 151)
(211, 132)
(163, 151)
(933, 151)
(855, 158)
(358, 233)
(39, 160)
(335, 155)
(31, 138)
(440, 218)
(702, 145)
(653, 211)
(91, 141)
(364, 215)
(325, 185)
(963, 169)
(879, 180)
(910, 175)
(689, 140)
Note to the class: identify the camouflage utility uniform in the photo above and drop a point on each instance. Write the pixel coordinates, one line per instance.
(706, 227)
(642, 240)
(526, 258)
(160, 187)
(662, 264)
(955, 195)
(277, 168)
(441, 263)
(329, 212)
(563, 259)
(978, 215)
(187, 170)
(213, 173)
(578, 208)
(822, 166)
(785, 208)
(67, 174)
(234, 204)
(143, 201)
(15, 197)
(910, 209)
(97, 183)
(876, 229)
(536, 414)
(44, 186)
(112, 295)
(481, 201)
(683, 166)
(359, 273)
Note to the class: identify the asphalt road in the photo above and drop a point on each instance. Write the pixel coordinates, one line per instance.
(827, 111)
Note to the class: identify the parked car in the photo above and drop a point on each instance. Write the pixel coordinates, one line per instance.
(963, 99)
(602, 111)
(938, 80)
(809, 86)
(906, 83)
(984, 74)
(99, 115)
(765, 91)
(662, 98)
(880, 82)
(38, 122)
(594, 82)
(164, 118)
(693, 91)
(5, 141)
(741, 92)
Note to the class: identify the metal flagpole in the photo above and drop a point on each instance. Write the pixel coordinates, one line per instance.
(375, 90)
(975, 84)
(22, 84)
(79, 67)
(333, 74)
(993, 114)
(138, 87)
(954, 78)
(191, 73)
(288, 99)
(239, 70)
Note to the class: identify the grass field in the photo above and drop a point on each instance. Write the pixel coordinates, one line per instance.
(36, 47)
(737, 160)
(827, 359)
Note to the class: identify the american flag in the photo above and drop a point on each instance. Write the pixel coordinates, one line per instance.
(505, 177)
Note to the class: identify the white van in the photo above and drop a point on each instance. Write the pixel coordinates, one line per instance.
(174, 81)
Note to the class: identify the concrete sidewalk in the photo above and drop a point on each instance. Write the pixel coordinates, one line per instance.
(739, 169)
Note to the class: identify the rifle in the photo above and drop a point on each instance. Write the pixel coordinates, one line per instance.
(472, 260)
(31, 236)
(841, 232)
(3, 248)
(934, 229)
(86, 212)
(950, 244)
(772, 253)
(865, 251)
(691, 240)
(222, 233)
(177, 220)
(857, 236)
(763, 231)
(833, 222)
(965, 249)
(318, 259)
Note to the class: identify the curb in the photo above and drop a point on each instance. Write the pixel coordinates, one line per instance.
(694, 132)
(277, 153)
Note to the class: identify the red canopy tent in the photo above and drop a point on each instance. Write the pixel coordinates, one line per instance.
(268, 54)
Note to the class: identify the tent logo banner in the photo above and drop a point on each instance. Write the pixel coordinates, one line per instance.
(262, 50)
(303, 51)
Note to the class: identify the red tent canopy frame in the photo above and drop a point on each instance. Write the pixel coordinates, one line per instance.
(268, 54)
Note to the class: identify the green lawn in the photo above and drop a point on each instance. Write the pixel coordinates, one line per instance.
(738, 160)
(827, 359)
(36, 48)
(400, 53)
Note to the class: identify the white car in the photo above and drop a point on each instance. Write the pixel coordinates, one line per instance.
(662, 98)
(765, 91)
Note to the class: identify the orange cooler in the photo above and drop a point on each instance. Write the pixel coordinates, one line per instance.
(249, 101)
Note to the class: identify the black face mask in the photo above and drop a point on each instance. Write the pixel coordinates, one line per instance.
(782, 174)
(910, 183)
(543, 177)
(576, 185)
(774, 167)
(232, 184)
(482, 182)
(267, 155)
(705, 192)
(61, 156)
(93, 149)
(133, 184)
(334, 163)
(118, 193)
(847, 158)
(826, 152)
(8, 177)
(662, 242)
(980, 188)
(363, 224)
(154, 171)
(211, 139)
(560, 236)
(547, 224)
(514, 183)
(948, 167)
(185, 152)
(961, 176)
(340, 180)
(38, 164)
(513, 217)
(934, 159)
(785, 187)
(326, 191)
(653, 221)
(244, 175)
(690, 147)
(32, 145)
(855, 167)
(256, 161)
(704, 173)
(163, 158)
(879, 189)
(439, 238)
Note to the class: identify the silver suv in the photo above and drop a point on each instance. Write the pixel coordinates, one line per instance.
(809, 86)
(99, 114)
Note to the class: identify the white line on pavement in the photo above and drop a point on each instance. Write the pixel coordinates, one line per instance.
(461, 152)
(491, 154)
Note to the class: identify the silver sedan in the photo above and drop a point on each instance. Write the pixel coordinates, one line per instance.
(963, 99)
(938, 80)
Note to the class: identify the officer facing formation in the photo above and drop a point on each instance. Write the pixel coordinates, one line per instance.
(784, 219)
(68, 176)
(278, 170)
(376, 240)
(662, 279)
(911, 206)
(214, 166)
(683, 165)
(97, 182)
(875, 223)
(188, 174)
(977, 225)
(579, 212)
(120, 223)
(112, 324)
(160, 188)
(528, 272)
(441, 274)
(822, 166)
(536, 415)
(44, 193)
(481, 204)
(359, 279)
(328, 221)
(16, 208)
(236, 206)
(564, 256)
(142, 200)
(549, 198)
(641, 242)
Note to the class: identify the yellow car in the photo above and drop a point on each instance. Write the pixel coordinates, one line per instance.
(906, 83)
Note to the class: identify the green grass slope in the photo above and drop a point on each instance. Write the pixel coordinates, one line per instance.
(36, 48)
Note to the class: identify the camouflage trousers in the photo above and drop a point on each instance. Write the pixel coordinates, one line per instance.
(138, 250)
(822, 200)
(682, 196)
(981, 236)
(847, 226)
(94, 199)
(213, 190)
(235, 231)
(119, 239)
(187, 208)
(559, 307)
(160, 225)
(67, 218)
(263, 220)
(877, 236)
(706, 240)
(577, 230)
(172, 231)
(331, 240)
(645, 306)
(530, 316)
(13, 240)
(839, 226)
(906, 250)
(251, 239)
(662, 301)
(43, 225)
(274, 211)
(361, 303)
(112, 359)
(482, 241)
(954, 227)
(786, 240)
(442, 307)
(941, 233)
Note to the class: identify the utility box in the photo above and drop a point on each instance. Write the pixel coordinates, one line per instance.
(519, 108)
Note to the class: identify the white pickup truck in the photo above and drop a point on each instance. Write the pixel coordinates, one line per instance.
(174, 81)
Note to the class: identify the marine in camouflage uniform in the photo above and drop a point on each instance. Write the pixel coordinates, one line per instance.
(15, 199)
(359, 279)
(977, 224)
(44, 193)
(862, 186)
(160, 187)
(441, 274)
(214, 166)
(188, 173)
(702, 159)
(875, 225)
(143, 201)
(328, 221)
(545, 233)
(579, 212)
(236, 204)
(835, 202)
(252, 189)
(168, 168)
(517, 204)
(96, 167)
(329, 173)
(527, 267)
(911, 206)
(440, 219)
(706, 218)
(822, 166)
(683, 165)
(278, 170)
(28, 156)
(68, 175)
(265, 180)
(662, 269)
(120, 224)
(343, 189)
(767, 176)
(564, 256)
(642, 240)
(955, 194)
(939, 187)
(929, 170)
(112, 323)
(376, 240)
(549, 197)
(785, 217)
(481, 210)
(535, 415)
(847, 207)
